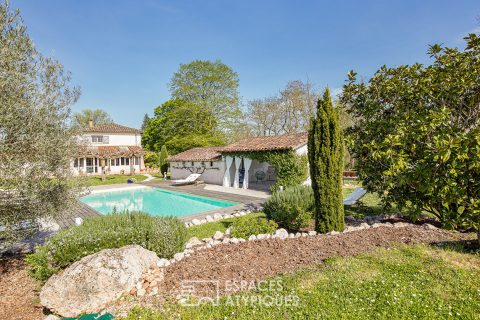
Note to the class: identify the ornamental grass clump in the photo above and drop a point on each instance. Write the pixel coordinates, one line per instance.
(163, 235)
(292, 208)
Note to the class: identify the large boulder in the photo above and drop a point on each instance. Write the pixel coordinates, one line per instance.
(89, 284)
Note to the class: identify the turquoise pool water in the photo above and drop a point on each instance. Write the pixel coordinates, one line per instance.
(155, 201)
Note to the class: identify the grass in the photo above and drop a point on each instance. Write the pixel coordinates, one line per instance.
(406, 282)
(207, 230)
(369, 205)
(110, 179)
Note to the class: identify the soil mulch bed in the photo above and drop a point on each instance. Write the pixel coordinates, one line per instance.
(18, 292)
(257, 260)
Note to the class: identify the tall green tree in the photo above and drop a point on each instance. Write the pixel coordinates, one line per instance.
(180, 125)
(163, 159)
(146, 118)
(213, 86)
(36, 140)
(98, 116)
(416, 138)
(325, 156)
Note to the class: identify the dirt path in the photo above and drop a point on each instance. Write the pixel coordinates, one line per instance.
(18, 292)
(256, 260)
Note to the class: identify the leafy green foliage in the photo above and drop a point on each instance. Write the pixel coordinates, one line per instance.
(151, 159)
(407, 282)
(245, 226)
(292, 208)
(163, 159)
(180, 125)
(292, 169)
(163, 235)
(326, 155)
(417, 138)
(212, 86)
(98, 116)
(36, 139)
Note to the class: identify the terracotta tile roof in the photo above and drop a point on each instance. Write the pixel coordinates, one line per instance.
(283, 142)
(198, 154)
(110, 151)
(112, 128)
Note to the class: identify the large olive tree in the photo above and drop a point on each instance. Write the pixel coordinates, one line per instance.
(416, 138)
(36, 142)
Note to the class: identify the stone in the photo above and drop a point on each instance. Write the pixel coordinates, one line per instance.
(240, 240)
(242, 213)
(234, 240)
(226, 240)
(216, 242)
(298, 235)
(228, 231)
(89, 284)
(281, 234)
(334, 232)
(312, 233)
(291, 235)
(196, 222)
(428, 226)
(206, 240)
(364, 225)
(179, 256)
(218, 235)
(52, 317)
(252, 237)
(209, 218)
(377, 225)
(141, 292)
(217, 216)
(203, 221)
(400, 225)
(193, 242)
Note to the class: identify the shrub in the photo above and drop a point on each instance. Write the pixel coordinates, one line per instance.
(417, 134)
(248, 225)
(292, 208)
(163, 235)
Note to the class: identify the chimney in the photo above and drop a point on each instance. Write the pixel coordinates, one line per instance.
(90, 123)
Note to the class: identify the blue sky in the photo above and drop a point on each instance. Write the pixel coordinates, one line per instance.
(123, 53)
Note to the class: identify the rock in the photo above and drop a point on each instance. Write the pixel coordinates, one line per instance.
(203, 221)
(179, 256)
(193, 242)
(217, 216)
(218, 235)
(261, 236)
(298, 235)
(234, 240)
(428, 226)
(312, 233)
(228, 231)
(207, 240)
(226, 240)
(89, 284)
(216, 242)
(281, 234)
(196, 222)
(240, 240)
(242, 213)
(141, 292)
(364, 225)
(52, 317)
(252, 237)
(334, 232)
(209, 218)
(400, 225)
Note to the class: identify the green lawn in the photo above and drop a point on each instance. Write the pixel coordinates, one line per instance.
(111, 179)
(369, 205)
(207, 230)
(407, 282)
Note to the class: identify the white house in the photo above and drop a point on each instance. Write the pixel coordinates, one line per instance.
(111, 148)
(224, 166)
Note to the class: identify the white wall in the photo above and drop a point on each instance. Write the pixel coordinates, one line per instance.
(114, 139)
(303, 150)
(212, 174)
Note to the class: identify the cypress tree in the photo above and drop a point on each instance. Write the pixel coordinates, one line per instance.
(325, 156)
(163, 159)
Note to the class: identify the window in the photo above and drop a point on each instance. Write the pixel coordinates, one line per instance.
(127, 161)
(117, 161)
(122, 161)
(82, 161)
(112, 162)
(136, 161)
(97, 139)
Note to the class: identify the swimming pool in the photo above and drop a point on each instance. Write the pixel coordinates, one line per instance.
(155, 201)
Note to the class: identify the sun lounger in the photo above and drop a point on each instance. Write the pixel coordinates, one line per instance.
(356, 195)
(188, 180)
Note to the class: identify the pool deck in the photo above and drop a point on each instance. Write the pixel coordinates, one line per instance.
(250, 201)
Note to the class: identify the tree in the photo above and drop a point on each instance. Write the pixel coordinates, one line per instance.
(287, 113)
(180, 125)
(163, 159)
(212, 86)
(99, 116)
(146, 118)
(417, 136)
(36, 141)
(325, 156)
